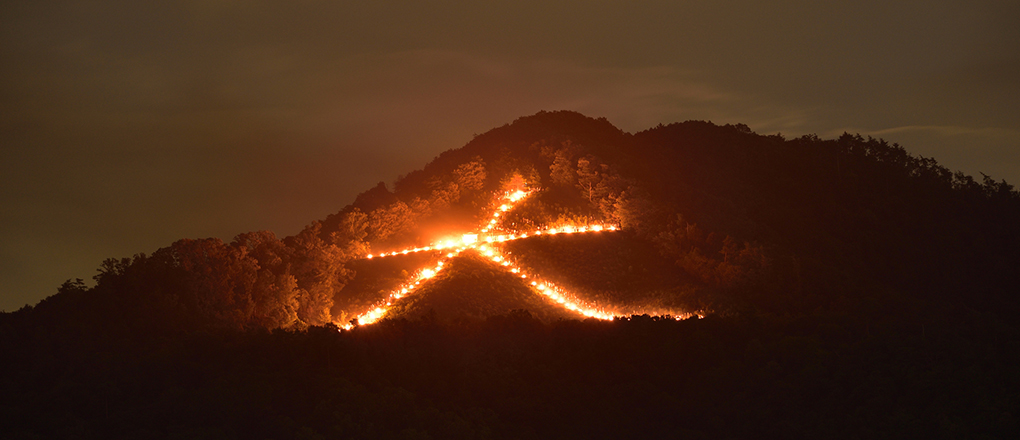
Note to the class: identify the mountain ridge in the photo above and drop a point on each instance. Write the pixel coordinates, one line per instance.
(748, 219)
(844, 289)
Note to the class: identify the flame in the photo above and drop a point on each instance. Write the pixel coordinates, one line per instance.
(516, 196)
(471, 241)
(558, 295)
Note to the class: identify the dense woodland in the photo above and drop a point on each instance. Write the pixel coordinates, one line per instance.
(849, 290)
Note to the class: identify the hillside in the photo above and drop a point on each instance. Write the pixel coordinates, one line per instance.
(781, 226)
(473, 288)
(848, 289)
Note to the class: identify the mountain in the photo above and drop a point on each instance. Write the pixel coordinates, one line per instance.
(847, 289)
(750, 221)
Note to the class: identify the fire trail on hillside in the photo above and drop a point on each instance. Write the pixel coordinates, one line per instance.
(487, 240)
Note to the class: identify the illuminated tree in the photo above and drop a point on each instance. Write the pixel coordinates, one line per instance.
(385, 222)
(443, 194)
(587, 177)
(562, 170)
(513, 182)
(276, 300)
(351, 233)
(421, 207)
(471, 176)
(318, 268)
(630, 209)
(275, 291)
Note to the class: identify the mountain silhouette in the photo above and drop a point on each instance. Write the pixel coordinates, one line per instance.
(763, 286)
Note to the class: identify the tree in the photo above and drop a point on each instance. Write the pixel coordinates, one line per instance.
(587, 177)
(393, 219)
(598, 183)
(352, 229)
(443, 194)
(319, 270)
(216, 280)
(471, 176)
(562, 171)
(275, 292)
(516, 181)
(630, 209)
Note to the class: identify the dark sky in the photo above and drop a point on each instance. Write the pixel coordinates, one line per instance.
(126, 125)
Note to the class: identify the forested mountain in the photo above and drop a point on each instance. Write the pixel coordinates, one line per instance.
(848, 289)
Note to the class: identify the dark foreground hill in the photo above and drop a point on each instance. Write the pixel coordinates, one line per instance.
(850, 290)
(512, 376)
